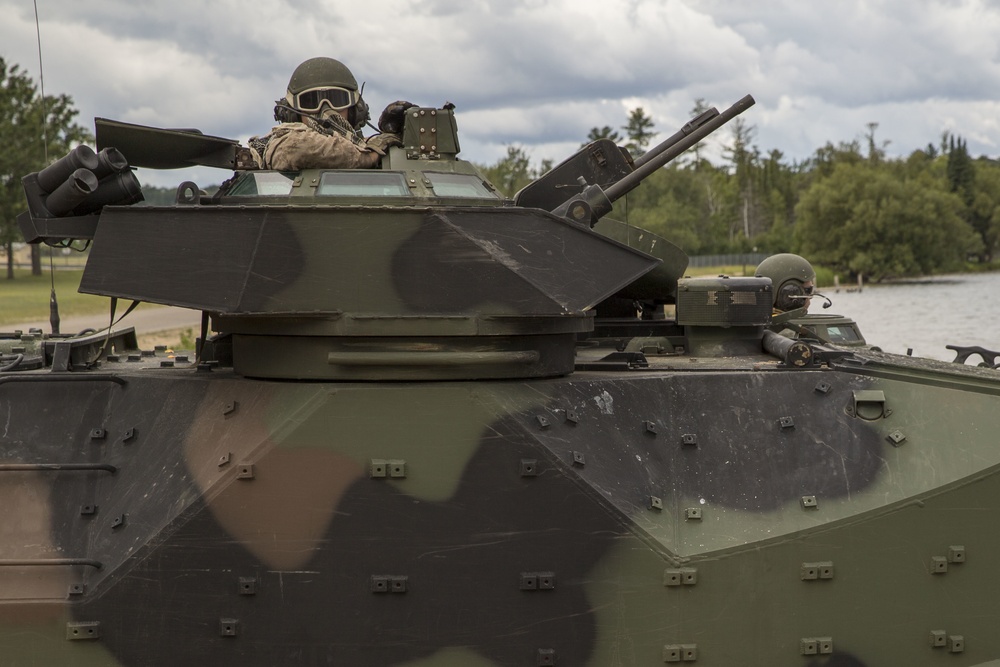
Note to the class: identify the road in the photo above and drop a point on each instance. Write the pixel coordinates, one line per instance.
(145, 321)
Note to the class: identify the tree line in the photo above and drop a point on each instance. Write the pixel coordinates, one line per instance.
(848, 206)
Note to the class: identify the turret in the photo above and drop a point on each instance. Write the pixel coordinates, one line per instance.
(419, 270)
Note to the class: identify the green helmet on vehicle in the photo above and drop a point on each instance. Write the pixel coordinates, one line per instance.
(325, 84)
(789, 274)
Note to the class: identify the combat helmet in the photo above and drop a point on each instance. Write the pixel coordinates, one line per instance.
(788, 273)
(323, 83)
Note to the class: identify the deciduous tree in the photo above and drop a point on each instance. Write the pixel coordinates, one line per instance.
(32, 130)
(864, 218)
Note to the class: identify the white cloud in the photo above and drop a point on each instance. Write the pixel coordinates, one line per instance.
(537, 73)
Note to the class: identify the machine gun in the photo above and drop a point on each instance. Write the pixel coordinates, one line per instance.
(600, 173)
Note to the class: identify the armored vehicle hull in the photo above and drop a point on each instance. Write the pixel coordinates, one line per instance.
(733, 510)
(422, 432)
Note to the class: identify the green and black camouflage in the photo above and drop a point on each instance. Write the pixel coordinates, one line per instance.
(413, 435)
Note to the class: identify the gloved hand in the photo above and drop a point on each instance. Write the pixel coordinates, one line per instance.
(381, 143)
(391, 120)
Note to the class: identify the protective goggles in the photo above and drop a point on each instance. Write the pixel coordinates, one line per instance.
(314, 99)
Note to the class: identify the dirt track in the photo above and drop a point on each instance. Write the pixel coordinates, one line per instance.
(155, 326)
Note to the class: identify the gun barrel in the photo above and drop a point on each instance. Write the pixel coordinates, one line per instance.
(688, 128)
(672, 150)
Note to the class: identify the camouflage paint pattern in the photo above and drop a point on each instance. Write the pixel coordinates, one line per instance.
(708, 506)
(227, 481)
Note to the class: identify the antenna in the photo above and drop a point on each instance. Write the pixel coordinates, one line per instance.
(41, 84)
(53, 303)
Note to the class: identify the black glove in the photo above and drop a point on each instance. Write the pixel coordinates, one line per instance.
(391, 120)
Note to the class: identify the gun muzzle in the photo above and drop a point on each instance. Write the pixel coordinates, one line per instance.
(74, 190)
(81, 157)
(794, 353)
(110, 161)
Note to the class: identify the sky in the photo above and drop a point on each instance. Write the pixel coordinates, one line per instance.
(537, 74)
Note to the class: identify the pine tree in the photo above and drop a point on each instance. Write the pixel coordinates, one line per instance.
(639, 131)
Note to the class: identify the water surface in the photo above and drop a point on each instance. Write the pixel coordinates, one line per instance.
(925, 314)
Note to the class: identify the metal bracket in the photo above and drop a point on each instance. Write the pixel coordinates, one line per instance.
(538, 581)
(382, 468)
(83, 630)
(545, 657)
(680, 653)
(389, 583)
(685, 576)
(867, 404)
(248, 586)
(816, 645)
(814, 571)
(229, 627)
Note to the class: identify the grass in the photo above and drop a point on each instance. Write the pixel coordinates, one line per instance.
(26, 298)
(981, 267)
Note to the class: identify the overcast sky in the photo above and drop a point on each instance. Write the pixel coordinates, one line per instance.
(534, 73)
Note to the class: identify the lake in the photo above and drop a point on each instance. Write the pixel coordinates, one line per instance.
(924, 314)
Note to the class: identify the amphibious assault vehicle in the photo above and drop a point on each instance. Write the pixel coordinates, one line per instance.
(430, 425)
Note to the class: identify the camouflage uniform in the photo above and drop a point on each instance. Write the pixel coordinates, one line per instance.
(308, 145)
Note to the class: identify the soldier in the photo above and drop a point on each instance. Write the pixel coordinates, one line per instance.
(321, 118)
(793, 281)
